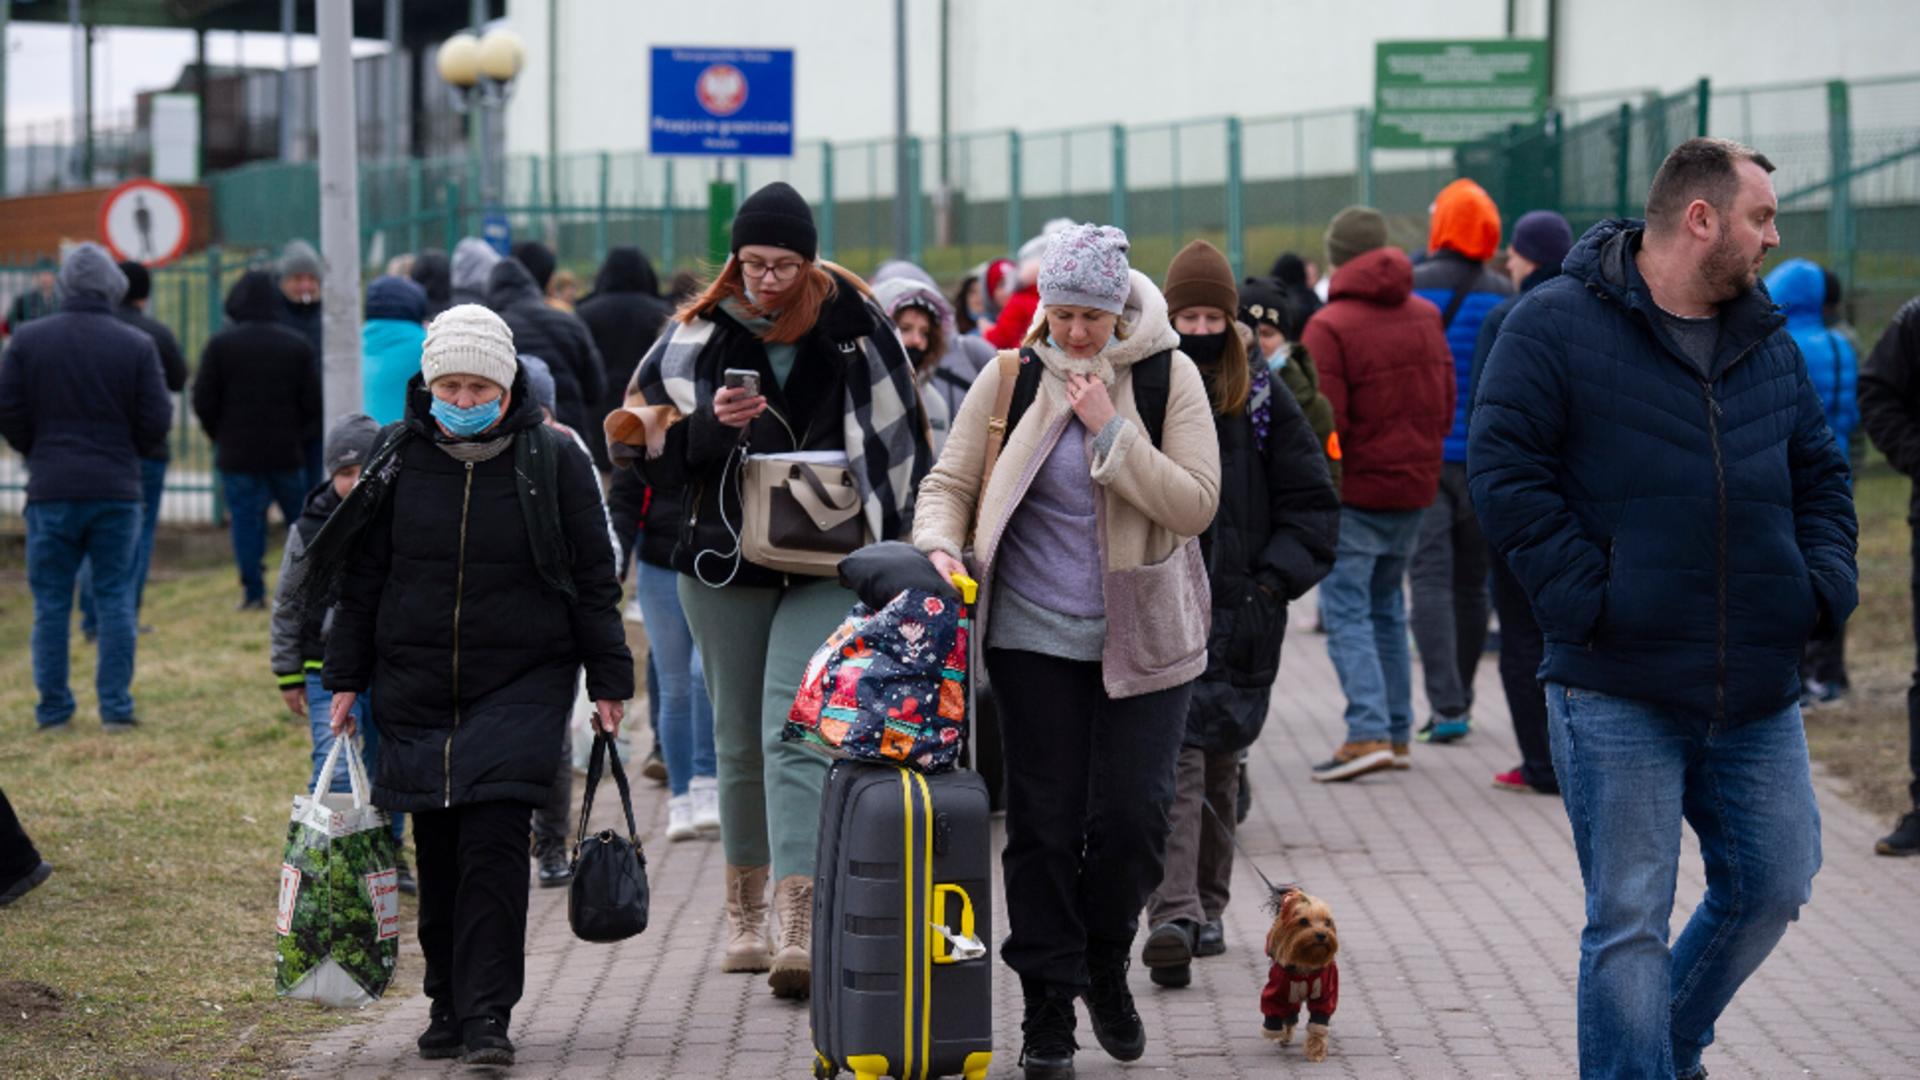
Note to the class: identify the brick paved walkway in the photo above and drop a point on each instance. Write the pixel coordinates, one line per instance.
(1459, 905)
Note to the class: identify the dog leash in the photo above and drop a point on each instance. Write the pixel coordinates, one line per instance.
(1272, 889)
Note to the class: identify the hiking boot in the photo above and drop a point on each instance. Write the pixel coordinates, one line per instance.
(121, 726)
(252, 604)
(706, 806)
(1116, 1023)
(1402, 755)
(1903, 840)
(792, 973)
(26, 883)
(1211, 940)
(1355, 759)
(1242, 797)
(403, 877)
(680, 818)
(442, 1037)
(1445, 729)
(486, 1042)
(1046, 1034)
(1168, 954)
(654, 767)
(746, 907)
(555, 870)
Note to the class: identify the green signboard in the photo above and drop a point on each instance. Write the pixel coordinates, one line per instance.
(1443, 93)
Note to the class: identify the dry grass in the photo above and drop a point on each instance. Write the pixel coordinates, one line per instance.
(156, 930)
(1862, 739)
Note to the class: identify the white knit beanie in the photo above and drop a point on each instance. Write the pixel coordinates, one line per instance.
(468, 339)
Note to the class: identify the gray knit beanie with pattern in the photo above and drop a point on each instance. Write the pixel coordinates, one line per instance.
(1086, 266)
(468, 339)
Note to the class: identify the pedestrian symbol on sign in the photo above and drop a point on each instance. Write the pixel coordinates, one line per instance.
(722, 89)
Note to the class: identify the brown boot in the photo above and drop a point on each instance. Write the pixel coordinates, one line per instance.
(747, 946)
(793, 961)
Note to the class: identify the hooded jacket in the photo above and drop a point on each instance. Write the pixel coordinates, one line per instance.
(173, 363)
(1152, 499)
(1272, 540)
(432, 272)
(257, 392)
(552, 335)
(1890, 396)
(390, 344)
(1385, 368)
(82, 396)
(1679, 537)
(299, 637)
(473, 260)
(1461, 218)
(1800, 288)
(624, 316)
(443, 609)
(942, 390)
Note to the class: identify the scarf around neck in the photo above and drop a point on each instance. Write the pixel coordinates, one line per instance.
(474, 452)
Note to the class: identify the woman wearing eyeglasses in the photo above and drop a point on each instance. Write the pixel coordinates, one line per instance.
(829, 375)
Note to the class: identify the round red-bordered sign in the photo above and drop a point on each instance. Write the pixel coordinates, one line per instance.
(721, 89)
(145, 222)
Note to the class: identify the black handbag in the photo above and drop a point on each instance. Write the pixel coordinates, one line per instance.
(607, 899)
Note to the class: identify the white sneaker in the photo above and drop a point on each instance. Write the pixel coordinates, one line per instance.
(705, 793)
(680, 818)
(632, 611)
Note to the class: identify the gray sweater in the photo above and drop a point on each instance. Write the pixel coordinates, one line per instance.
(1047, 575)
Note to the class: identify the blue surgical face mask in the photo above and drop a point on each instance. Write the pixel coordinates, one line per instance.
(465, 422)
(1277, 359)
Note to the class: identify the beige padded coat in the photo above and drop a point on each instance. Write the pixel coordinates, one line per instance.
(1150, 501)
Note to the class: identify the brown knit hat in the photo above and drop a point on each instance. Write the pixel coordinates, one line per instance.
(1355, 231)
(1200, 277)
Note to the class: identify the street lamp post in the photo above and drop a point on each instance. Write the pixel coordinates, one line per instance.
(480, 71)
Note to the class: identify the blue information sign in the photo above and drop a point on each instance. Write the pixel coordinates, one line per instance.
(496, 232)
(722, 102)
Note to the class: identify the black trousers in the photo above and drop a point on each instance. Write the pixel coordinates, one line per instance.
(473, 907)
(1089, 783)
(18, 856)
(1913, 692)
(1521, 650)
(550, 819)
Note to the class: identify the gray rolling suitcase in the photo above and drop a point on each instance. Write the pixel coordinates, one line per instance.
(902, 916)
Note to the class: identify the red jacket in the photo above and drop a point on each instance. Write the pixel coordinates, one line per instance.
(1286, 991)
(1385, 367)
(1015, 319)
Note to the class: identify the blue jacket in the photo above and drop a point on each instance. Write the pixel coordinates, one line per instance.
(1679, 537)
(389, 356)
(1800, 288)
(1437, 278)
(82, 398)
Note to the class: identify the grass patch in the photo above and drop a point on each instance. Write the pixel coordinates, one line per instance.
(1862, 739)
(155, 933)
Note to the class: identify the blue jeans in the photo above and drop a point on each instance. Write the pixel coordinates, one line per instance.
(320, 720)
(61, 533)
(248, 496)
(1630, 772)
(686, 714)
(1363, 606)
(153, 484)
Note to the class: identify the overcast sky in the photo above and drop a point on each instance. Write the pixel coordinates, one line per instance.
(125, 62)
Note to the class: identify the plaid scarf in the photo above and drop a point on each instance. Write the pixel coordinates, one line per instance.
(885, 432)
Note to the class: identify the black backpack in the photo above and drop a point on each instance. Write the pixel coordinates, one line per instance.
(1152, 380)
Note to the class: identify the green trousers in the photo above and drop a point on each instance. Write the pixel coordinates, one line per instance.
(755, 644)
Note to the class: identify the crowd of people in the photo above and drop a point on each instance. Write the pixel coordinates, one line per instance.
(1622, 444)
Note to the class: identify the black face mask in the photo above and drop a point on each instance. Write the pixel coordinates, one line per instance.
(1204, 349)
(915, 354)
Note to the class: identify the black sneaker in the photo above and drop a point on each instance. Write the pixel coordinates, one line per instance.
(1904, 839)
(252, 605)
(654, 767)
(1211, 940)
(120, 726)
(442, 1037)
(1168, 955)
(1116, 1024)
(403, 877)
(555, 870)
(1046, 1035)
(485, 1042)
(26, 883)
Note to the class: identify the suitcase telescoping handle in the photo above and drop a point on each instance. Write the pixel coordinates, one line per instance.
(949, 947)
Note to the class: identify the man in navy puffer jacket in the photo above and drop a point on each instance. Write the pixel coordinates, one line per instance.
(1650, 459)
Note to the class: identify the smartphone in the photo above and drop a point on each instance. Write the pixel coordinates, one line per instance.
(744, 379)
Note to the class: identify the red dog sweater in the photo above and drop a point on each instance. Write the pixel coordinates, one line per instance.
(1286, 991)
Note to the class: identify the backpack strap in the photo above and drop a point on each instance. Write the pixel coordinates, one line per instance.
(1152, 383)
(997, 425)
(1020, 374)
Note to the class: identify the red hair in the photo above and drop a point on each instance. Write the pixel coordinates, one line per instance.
(799, 306)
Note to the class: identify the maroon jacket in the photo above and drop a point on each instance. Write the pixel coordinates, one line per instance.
(1385, 366)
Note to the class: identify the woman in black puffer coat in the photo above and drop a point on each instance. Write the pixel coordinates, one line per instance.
(1272, 540)
(480, 582)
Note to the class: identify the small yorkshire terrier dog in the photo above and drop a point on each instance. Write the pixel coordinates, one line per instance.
(1301, 943)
